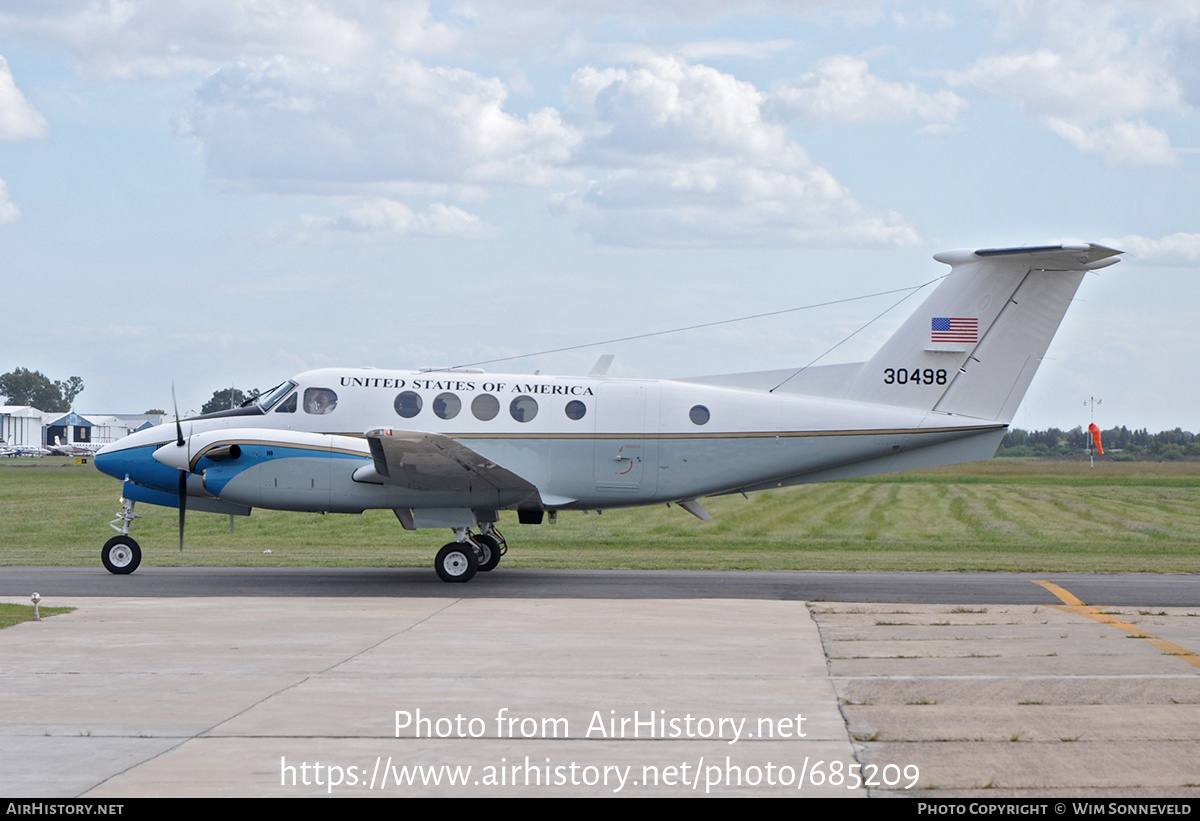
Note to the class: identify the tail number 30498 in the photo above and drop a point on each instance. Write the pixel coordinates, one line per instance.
(916, 376)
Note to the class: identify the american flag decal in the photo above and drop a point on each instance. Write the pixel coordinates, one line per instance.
(954, 329)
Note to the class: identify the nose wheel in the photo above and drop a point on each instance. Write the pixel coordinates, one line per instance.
(121, 555)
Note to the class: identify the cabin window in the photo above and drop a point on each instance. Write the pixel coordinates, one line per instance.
(523, 408)
(485, 407)
(575, 409)
(288, 405)
(699, 415)
(447, 405)
(319, 400)
(408, 404)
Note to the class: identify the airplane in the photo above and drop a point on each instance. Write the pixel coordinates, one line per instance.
(23, 450)
(61, 448)
(451, 448)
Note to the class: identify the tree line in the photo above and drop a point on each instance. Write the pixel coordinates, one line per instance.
(25, 387)
(1121, 443)
(22, 386)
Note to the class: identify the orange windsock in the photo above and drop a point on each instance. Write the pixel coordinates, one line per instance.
(1095, 431)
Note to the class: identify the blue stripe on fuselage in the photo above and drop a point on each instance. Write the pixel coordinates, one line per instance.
(140, 466)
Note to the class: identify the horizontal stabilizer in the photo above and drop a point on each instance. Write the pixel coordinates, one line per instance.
(1052, 257)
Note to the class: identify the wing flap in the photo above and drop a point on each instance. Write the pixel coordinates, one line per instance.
(429, 461)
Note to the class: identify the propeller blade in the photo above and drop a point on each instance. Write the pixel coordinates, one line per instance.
(178, 427)
(182, 505)
(183, 473)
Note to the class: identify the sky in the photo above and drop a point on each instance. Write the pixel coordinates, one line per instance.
(206, 193)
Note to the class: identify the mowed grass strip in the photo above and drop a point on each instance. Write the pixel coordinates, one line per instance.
(11, 614)
(1007, 514)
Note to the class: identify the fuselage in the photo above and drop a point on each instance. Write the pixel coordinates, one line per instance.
(582, 442)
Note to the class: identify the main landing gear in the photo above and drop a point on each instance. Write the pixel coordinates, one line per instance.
(470, 553)
(121, 554)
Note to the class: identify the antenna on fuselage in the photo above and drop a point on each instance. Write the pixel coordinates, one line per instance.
(602, 365)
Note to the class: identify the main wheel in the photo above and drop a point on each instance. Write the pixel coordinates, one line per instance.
(121, 555)
(491, 552)
(456, 562)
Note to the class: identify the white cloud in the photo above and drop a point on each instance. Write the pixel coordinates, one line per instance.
(668, 108)
(842, 89)
(923, 20)
(691, 162)
(724, 203)
(678, 153)
(155, 39)
(288, 124)
(752, 49)
(8, 211)
(1122, 143)
(1178, 39)
(1084, 86)
(1101, 68)
(341, 99)
(380, 218)
(18, 119)
(1174, 249)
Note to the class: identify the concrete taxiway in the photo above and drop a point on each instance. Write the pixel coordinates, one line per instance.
(290, 695)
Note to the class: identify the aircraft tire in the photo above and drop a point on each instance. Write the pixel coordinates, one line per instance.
(456, 563)
(121, 555)
(491, 553)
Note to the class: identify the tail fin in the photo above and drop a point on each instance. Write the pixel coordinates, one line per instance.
(974, 344)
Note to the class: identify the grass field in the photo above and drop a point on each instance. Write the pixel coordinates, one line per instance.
(1006, 514)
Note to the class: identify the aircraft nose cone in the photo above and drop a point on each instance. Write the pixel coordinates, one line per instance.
(119, 461)
(106, 461)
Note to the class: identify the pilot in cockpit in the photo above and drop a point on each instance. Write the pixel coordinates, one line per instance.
(319, 400)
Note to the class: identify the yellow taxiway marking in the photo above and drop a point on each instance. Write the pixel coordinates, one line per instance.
(1071, 604)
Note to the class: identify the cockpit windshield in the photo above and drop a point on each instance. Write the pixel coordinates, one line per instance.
(267, 399)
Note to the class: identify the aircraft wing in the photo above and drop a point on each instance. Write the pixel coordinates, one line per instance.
(429, 461)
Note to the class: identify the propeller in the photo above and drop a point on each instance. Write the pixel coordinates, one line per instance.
(179, 442)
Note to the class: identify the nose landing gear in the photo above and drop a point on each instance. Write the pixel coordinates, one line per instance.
(121, 554)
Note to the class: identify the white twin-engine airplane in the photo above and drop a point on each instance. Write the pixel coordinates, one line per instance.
(452, 448)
